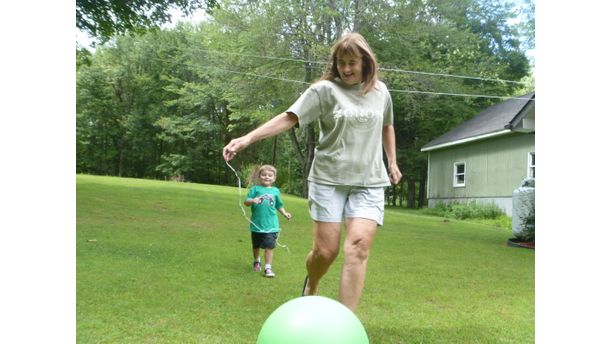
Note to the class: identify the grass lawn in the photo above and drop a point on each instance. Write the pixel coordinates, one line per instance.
(166, 262)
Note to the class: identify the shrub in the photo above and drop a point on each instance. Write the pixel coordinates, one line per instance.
(463, 211)
(440, 209)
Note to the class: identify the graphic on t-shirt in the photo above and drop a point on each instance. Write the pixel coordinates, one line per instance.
(358, 118)
(267, 197)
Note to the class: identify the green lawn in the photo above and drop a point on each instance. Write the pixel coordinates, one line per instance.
(166, 262)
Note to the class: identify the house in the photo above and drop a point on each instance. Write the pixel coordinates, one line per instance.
(485, 158)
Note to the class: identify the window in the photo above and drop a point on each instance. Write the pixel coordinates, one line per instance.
(531, 165)
(459, 174)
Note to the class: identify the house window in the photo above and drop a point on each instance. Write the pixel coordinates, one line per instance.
(459, 174)
(531, 165)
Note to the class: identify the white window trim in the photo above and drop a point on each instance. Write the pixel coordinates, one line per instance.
(530, 164)
(455, 184)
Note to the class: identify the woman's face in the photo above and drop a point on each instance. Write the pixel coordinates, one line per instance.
(349, 67)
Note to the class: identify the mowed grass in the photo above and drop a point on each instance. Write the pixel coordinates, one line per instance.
(166, 262)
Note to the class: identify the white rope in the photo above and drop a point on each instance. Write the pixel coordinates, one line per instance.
(244, 211)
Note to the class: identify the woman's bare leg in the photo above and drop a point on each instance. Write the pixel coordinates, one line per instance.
(359, 237)
(325, 248)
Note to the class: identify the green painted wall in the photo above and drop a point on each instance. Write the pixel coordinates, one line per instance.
(494, 167)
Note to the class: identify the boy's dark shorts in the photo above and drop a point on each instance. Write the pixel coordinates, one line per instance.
(264, 240)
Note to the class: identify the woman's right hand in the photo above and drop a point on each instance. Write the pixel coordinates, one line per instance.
(275, 126)
(235, 146)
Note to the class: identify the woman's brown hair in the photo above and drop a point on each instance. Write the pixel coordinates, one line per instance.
(353, 44)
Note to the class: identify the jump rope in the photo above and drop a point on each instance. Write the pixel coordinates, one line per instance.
(244, 211)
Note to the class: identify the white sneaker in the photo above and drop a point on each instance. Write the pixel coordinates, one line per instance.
(269, 273)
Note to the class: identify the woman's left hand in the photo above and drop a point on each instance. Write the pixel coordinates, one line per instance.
(394, 174)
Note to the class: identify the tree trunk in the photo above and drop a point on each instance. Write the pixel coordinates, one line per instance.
(337, 20)
(121, 160)
(401, 193)
(296, 145)
(411, 192)
(122, 152)
(422, 190)
(393, 195)
(310, 145)
(401, 197)
(309, 129)
(357, 21)
(274, 151)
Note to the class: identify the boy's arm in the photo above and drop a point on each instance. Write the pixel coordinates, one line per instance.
(251, 197)
(285, 213)
(250, 201)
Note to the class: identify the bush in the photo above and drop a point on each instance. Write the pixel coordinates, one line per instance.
(463, 211)
(440, 209)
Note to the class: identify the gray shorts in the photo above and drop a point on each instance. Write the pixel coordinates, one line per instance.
(332, 203)
(264, 240)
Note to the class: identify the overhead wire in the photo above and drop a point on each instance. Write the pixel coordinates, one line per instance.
(458, 94)
(455, 76)
(397, 70)
(308, 83)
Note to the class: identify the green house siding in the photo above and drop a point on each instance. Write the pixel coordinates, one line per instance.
(493, 167)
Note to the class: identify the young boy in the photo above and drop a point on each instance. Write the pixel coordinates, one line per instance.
(264, 200)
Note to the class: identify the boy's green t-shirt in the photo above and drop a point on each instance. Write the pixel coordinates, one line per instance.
(263, 216)
(349, 151)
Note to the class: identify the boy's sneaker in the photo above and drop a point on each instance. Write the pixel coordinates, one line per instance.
(269, 273)
(256, 266)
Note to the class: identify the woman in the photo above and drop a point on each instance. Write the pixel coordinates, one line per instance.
(348, 176)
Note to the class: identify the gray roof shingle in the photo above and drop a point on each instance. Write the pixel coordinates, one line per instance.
(493, 119)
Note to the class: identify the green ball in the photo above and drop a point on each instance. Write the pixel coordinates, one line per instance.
(312, 320)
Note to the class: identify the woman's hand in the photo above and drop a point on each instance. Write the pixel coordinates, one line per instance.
(235, 146)
(273, 127)
(394, 174)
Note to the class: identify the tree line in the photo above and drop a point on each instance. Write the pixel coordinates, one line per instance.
(161, 104)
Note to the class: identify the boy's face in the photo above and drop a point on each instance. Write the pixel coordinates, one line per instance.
(267, 177)
(349, 67)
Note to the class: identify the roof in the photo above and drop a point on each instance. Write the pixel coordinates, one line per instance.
(498, 119)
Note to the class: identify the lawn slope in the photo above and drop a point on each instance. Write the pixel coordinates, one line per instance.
(166, 262)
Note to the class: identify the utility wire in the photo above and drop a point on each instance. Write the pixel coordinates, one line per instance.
(308, 83)
(397, 70)
(454, 76)
(458, 94)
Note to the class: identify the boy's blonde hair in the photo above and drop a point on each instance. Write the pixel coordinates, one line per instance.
(354, 44)
(254, 179)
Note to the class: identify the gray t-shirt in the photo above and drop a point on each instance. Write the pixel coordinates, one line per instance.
(349, 151)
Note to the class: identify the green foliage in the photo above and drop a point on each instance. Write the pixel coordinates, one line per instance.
(104, 19)
(83, 57)
(175, 166)
(463, 211)
(186, 91)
